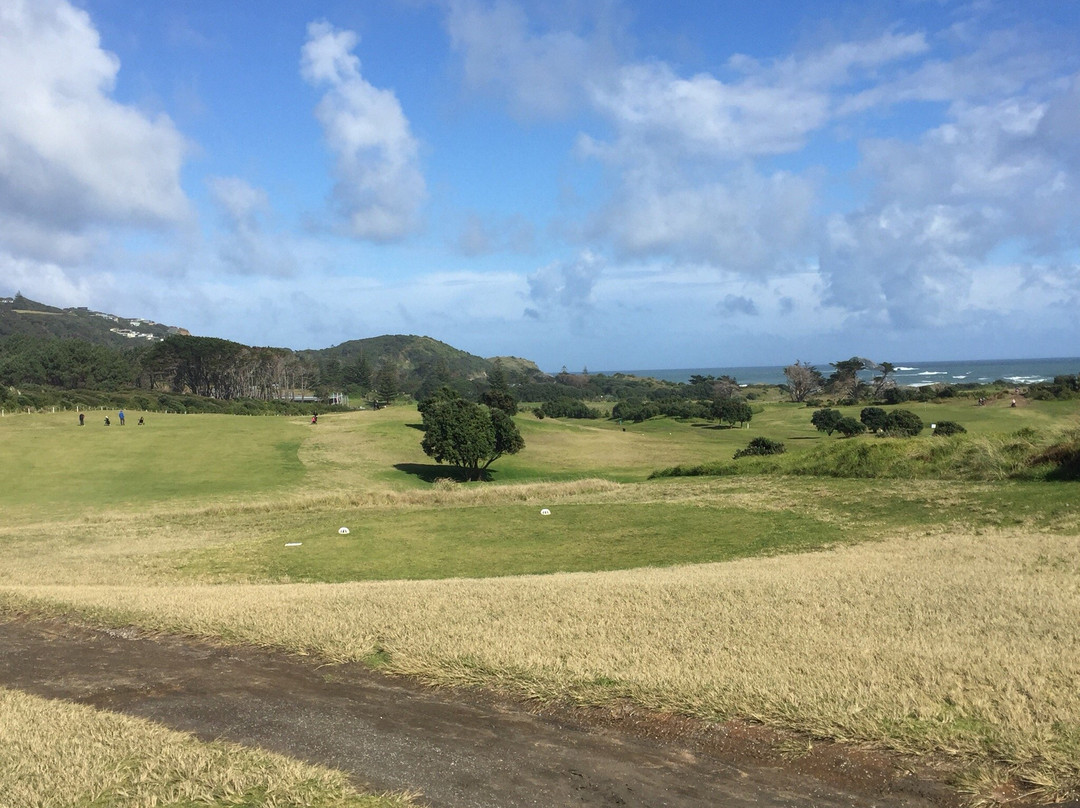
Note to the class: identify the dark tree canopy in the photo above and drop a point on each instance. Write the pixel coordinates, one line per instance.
(826, 420)
(468, 435)
(731, 411)
(903, 423)
(498, 395)
(875, 418)
(849, 427)
(386, 383)
(760, 446)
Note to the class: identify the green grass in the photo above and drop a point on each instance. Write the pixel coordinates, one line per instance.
(663, 523)
(480, 542)
(210, 498)
(55, 468)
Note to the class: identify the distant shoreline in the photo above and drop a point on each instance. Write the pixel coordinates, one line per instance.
(910, 374)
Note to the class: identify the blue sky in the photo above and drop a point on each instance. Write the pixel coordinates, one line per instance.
(615, 184)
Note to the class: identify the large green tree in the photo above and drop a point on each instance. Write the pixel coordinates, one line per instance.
(468, 435)
(387, 385)
(826, 420)
(732, 411)
(498, 395)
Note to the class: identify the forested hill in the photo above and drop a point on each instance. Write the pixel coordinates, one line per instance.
(79, 349)
(20, 315)
(415, 355)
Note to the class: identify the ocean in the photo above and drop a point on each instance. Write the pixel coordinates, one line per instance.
(914, 374)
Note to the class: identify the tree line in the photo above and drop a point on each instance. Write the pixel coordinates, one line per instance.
(202, 366)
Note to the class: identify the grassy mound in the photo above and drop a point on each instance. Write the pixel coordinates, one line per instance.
(1026, 454)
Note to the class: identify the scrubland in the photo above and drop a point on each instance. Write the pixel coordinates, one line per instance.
(928, 615)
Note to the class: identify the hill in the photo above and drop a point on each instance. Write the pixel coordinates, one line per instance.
(418, 359)
(20, 315)
(415, 358)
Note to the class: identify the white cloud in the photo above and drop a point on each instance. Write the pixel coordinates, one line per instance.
(650, 105)
(72, 159)
(742, 220)
(565, 285)
(991, 180)
(379, 187)
(43, 281)
(481, 236)
(685, 152)
(246, 247)
(539, 75)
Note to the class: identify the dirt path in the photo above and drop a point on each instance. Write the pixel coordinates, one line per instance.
(458, 749)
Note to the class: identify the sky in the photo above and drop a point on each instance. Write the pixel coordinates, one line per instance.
(611, 184)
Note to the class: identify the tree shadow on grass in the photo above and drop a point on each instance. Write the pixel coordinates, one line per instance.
(712, 426)
(416, 426)
(430, 472)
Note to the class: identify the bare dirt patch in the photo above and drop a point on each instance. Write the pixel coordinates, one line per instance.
(456, 748)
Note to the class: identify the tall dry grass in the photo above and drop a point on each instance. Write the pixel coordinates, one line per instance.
(968, 645)
(56, 754)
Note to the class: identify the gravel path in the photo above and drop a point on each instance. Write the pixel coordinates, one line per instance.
(457, 749)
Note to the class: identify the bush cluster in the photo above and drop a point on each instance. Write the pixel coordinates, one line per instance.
(945, 428)
(566, 408)
(1062, 388)
(760, 446)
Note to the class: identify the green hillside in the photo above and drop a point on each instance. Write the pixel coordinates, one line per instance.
(20, 315)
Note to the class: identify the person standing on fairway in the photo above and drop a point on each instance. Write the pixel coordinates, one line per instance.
(121, 416)
(82, 418)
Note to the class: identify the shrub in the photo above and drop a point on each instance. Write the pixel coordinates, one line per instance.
(849, 427)
(635, 411)
(874, 418)
(761, 446)
(898, 395)
(826, 420)
(567, 408)
(903, 423)
(946, 428)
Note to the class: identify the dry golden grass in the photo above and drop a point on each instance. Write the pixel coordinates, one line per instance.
(933, 639)
(56, 754)
(955, 643)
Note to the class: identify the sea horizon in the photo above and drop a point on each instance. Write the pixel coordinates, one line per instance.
(910, 374)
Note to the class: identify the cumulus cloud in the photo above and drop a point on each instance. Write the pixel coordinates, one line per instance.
(680, 152)
(379, 188)
(565, 285)
(481, 236)
(991, 179)
(246, 247)
(538, 74)
(768, 109)
(72, 159)
(653, 107)
(742, 220)
(737, 304)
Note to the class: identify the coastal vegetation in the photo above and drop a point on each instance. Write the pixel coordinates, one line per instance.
(791, 589)
(700, 548)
